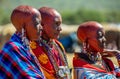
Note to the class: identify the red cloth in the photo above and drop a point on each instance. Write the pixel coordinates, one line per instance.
(39, 51)
(78, 62)
(82, 63)
(42, 54)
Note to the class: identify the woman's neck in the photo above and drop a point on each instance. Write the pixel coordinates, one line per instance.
(94, 56)
(47, 41)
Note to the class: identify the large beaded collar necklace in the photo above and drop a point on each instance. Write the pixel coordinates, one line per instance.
(60, 71)
(96, 60)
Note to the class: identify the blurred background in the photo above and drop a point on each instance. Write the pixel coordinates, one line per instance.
(73, 12)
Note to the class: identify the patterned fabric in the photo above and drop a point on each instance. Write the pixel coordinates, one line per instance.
(85, 70)
(44, 54)
(16, 61)
(87, 73)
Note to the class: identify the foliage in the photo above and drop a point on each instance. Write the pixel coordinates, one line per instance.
(73, 12)
(87, 15)
(113, 16)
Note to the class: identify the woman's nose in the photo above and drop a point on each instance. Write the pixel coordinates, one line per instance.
(59, 28)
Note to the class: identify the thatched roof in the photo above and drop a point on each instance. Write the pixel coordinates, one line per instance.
(7, 29)
(67, 29)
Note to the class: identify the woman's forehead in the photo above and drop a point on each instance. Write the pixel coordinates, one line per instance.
(57, 19)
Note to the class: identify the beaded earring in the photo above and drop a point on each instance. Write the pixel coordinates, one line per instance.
(84, 47)
(24, 38)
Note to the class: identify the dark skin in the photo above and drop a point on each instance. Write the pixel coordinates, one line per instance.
(94, 40)
(51, 22)
(100, 42)
(34, 29)
(52, 29)
(29, 19)
(110, 53)
(97, 42)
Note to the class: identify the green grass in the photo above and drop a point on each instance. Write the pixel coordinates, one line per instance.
(6, 6)
(63, 5)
